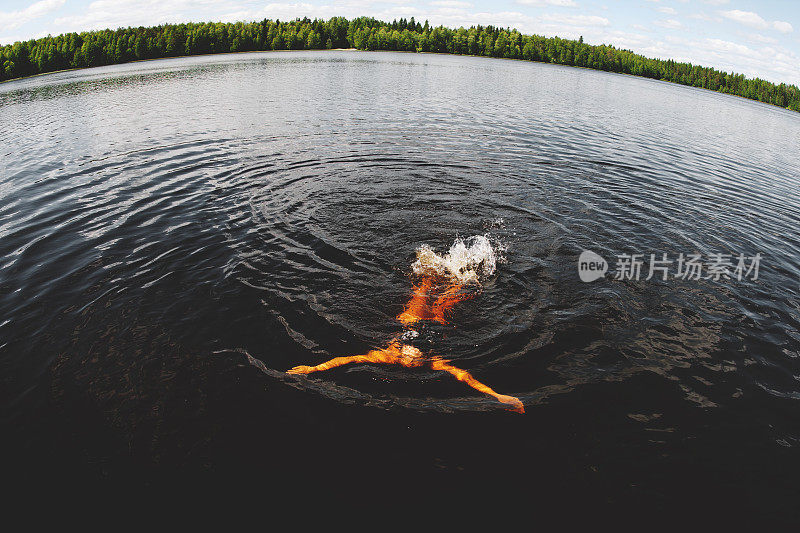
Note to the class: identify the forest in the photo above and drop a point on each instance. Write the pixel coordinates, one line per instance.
(105, 47)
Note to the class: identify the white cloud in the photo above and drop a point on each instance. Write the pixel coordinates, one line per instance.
(11, 39)
(748, 18)
(10, 20)
(576, 20)
(102, 14)
(763, 39)
(671, 24)
(275, 10)
(543, 3)
(704, 16)
(783, 27)
(451, 3)
(720, 45)
(667, 10)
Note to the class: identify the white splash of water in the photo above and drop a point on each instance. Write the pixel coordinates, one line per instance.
(467, 261)
(410, 334)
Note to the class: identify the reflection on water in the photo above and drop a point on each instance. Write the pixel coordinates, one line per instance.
(158, 220)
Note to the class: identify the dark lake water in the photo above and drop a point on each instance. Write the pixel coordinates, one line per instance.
(176, 234)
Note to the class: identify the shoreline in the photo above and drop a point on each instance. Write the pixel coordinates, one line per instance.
(176, 57)
(400, 52)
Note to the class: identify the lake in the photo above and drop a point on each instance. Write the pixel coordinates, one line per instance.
(176, 234)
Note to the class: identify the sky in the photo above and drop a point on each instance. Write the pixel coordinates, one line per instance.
(755, 38)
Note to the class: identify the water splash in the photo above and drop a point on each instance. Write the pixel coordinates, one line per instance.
(467, 261)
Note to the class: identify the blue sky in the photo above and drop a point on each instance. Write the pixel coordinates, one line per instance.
(757, 38)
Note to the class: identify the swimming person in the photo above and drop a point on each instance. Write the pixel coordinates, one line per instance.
(440, 287)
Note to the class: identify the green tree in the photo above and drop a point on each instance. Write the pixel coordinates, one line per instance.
(314, 41)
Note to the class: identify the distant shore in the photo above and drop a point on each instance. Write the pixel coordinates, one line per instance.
(127, 45)
(172, 57)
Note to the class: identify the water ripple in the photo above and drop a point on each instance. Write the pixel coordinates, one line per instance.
(234, 224)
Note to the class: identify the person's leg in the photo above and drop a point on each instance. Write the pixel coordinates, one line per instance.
(395, 353)
(417, 308)
(462, 375)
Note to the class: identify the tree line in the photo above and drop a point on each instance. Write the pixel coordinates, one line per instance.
(105, 47)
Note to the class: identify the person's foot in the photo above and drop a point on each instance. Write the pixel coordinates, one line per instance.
(302, 369)
(515, 403)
